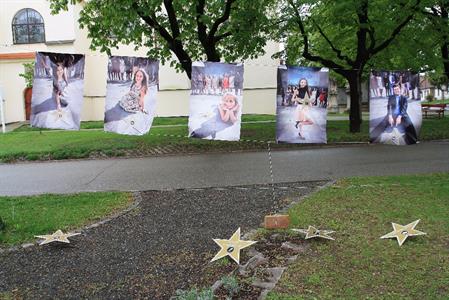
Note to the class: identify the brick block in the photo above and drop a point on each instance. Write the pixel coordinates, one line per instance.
(277, 222)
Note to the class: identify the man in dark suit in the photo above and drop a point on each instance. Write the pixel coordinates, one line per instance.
(396, 117)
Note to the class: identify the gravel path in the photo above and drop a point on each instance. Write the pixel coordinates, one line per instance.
(161, 246)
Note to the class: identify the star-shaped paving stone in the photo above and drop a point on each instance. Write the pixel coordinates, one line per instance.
(232, 247)
(401, 233)
(58, 236)
(312, 232)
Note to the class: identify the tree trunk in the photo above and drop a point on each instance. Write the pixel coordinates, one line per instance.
(445, 55)
(187, 66)
(183, 57)
(355, 92)
(445, 45)
(211, 52)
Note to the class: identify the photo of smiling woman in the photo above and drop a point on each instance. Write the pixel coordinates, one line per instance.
(216, 101)
(301, 108)
(57, 91)
(130, 95)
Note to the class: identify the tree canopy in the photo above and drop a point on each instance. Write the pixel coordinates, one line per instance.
(344, 36)
(192, 30)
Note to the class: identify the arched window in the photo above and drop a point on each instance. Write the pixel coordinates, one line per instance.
(28, 27)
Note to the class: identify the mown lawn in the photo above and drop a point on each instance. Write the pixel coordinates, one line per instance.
(32, 144)
(360, 265)
(28, 216)
(158, 121)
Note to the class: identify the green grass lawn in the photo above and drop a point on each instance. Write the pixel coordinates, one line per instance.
(158, 121)
(32, 144)
(36, 215)
(360, 265)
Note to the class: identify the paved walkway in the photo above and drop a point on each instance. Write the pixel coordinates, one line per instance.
(218, 170)
(11, 126)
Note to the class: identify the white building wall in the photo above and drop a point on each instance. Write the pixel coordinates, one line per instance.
(12, 90)
(63, 35)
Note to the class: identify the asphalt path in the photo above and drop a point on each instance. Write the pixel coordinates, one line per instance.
(222, 169)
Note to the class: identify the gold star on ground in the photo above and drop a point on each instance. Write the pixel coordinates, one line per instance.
(232, 247)
(58, 236)
(312, 232)
(401, 233)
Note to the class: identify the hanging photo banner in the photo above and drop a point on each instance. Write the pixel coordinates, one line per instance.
(216, 101)
(301, 104)
(131, 90)
(57, 97)
(395, 107)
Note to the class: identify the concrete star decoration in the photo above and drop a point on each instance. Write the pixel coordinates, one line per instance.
(401, 233)
(232, 247)
(312, 232)
(58, 236)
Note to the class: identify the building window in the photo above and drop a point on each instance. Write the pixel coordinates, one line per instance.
(28, 27)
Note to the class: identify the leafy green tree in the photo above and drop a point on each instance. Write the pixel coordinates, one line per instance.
(437, 13)
(422, 45)
(344, 36)
(192, 30)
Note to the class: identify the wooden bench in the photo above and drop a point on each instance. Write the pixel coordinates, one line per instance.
(435, 109)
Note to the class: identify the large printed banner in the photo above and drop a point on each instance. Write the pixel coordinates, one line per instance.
(301, 104)
(131, 90)
(216, 101)
(57, 91)
(395, 107)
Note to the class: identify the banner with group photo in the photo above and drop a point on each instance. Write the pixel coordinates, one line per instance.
(216, 101)
(301, 104)
(131, 90)
(57, 97)
(395, 107)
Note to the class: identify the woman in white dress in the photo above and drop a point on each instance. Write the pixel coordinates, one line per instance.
(302, 97)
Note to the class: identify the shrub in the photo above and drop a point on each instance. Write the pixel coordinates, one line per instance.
(28, 74)
(231, 285)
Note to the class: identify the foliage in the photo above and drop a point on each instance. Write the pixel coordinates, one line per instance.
(438, 79)
(192, 30)
(28, 74)
(343, 36)
(417, 47)
(437, 15)
(333, 28)
(194, 294)
(231, 285)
